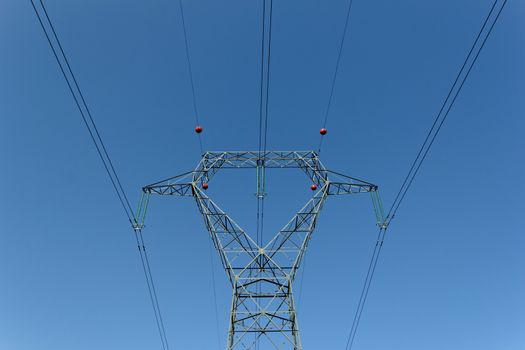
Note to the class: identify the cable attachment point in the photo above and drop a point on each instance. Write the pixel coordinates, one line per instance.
(137, 227)
(383, 225)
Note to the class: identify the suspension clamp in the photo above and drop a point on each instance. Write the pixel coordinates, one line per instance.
(137, 227)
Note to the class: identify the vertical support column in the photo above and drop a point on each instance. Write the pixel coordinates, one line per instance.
(260, 217)
(233, 313)
(293, 318)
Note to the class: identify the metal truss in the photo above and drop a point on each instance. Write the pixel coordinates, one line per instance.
(261, 275)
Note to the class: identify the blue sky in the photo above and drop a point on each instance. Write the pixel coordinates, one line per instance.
(451, 274)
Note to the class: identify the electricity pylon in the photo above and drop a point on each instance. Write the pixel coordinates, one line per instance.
(261, 275)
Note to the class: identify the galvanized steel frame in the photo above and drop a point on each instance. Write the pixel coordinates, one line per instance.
(261, 275)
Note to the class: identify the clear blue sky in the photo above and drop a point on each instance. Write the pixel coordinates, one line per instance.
(451, 275)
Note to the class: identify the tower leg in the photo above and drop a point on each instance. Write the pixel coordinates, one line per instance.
(231, 331)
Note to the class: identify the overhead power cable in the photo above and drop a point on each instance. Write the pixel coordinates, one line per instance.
(197, 122)
(85, 113)
(336, 71)
(266, 47)
(263, 112)
(151, 287)
(470, 60)
(101, 149)
(190, 71)
(266, 50)
(261, 125)
(440, 118)
(327, 111)
(268, 65)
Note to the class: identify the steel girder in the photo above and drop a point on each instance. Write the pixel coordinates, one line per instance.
(261, 275)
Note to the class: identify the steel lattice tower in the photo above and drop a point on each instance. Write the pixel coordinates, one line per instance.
(261, 275)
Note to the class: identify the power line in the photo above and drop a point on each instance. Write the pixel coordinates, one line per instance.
(89, 122)
(263, 124)
(264, 132)
(268, 76)
(190, 71)
(265, 79)
(93, 133)
(261, 97)
(151, 288)
(263, 115)
(196, 115)
(420, 158)
(435, 126)
(327, 111)
(336, 71)
(366, 287)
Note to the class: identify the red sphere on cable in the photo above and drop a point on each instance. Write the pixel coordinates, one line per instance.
(205, 186)
(313, 187)
(323, 131)
(198, 129)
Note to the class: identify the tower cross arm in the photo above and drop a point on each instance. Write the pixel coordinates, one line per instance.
(180, 185)
(339, 184)
(339, 188)
(179, 189)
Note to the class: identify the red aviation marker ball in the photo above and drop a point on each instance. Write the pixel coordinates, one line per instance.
(313, 187)
(205, 186)
(323, 131)
(198, 129)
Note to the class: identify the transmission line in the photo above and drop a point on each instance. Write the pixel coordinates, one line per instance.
(86, 115)
(103, 154)
(268, 77)
(336, 71)
(196, 116)
(440, 118)
(151, 287)
(263, 124)
(420, 158)
(263, 115)
(261, 128)
(190, 71)
(327, 111)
